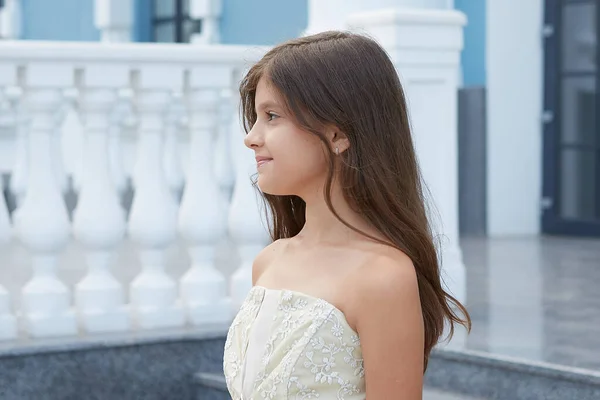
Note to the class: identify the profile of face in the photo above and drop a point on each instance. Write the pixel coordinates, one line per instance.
(289, 160)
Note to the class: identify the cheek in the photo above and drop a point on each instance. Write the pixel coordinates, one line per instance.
(299, 161)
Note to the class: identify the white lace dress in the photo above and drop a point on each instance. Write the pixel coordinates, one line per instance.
(288, 345)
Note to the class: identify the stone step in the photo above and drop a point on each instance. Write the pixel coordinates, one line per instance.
(495, 377)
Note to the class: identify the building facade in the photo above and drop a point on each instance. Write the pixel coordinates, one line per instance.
(529, 150)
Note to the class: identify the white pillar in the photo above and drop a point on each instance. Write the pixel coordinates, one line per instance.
(153, 218)
(202, 218)
(332, 14)
(114, 19)
(8, 322)
(209, 12)
(42, 223)
(425, 46)
(99, 220)
(10, 20)
(514, 98)
(247, 224)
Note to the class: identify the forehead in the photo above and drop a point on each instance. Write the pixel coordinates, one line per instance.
(265, 92)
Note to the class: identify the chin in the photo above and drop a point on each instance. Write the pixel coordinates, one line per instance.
(267, 186)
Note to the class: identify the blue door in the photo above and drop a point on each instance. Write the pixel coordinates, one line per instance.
(571, 144)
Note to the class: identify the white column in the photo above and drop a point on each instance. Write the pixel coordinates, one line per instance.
(8, 322)
(114, 19)
(247, 224)
(425, 46)
(209, 12)
(514, 94)
(172, 158)
(99, 220)
(153, 218)
(202, 218)
(10, 20)
(332, 14)
(42, 223)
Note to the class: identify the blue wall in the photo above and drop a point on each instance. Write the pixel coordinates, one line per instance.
(142, 21)
(264, 22)
(473, 56)
(59, 20)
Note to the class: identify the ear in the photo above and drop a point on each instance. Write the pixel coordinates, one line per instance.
(338, 140)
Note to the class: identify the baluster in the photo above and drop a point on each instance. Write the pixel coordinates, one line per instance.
(172, 158)
(153, 218)
(42, 222)
(19, 176)
(62, 116)
(118, 116)
(202, 216)
(71, 137)
(8, 322)
(99, 220)
(246, 223)
(224, 171)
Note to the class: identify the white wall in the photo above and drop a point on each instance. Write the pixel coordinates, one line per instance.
(514, 104)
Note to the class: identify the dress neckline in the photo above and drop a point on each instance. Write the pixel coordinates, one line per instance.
(310, 297)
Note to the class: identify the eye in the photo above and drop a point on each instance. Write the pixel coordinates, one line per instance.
(271, 116)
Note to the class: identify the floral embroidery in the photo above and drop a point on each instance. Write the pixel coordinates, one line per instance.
(311, 352)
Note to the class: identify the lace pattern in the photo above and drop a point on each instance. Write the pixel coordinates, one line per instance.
(311, 351)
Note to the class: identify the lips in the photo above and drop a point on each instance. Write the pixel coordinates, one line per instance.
(260, 160)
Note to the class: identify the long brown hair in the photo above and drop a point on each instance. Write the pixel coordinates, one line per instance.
(347, 80)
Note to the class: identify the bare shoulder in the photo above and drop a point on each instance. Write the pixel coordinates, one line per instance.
(387, 281)
(266, 257)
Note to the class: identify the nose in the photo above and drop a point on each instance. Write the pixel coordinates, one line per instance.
(254, 139)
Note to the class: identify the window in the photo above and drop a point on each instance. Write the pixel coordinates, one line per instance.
(171, 21)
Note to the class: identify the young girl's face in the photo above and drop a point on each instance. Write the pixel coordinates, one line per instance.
(289, 160)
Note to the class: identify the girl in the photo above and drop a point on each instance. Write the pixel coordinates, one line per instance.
(347, 301)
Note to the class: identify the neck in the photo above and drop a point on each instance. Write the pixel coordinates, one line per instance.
(321, 224)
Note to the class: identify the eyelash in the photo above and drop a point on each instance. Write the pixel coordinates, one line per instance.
(271, 116)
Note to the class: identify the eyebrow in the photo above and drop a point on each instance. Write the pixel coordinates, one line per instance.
(267, 104)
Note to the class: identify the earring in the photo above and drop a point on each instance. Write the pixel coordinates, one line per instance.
(337, 151)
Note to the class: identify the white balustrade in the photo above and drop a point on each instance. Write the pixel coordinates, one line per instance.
(99, 220)
(172, 158)
(58, 165)
(72, 140)
(153, 219)
(41, 222)
(118, 118)
(20, 172)
(8, 322)
(224, 171)
(38, 75)
(202, 217)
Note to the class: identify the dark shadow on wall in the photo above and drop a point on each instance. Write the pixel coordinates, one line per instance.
(472, 159)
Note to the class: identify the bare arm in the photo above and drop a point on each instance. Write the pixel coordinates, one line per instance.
(390, 325)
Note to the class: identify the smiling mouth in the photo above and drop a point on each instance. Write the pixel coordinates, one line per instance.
(263, 162)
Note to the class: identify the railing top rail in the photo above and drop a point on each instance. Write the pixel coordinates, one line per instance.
(24, 51)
